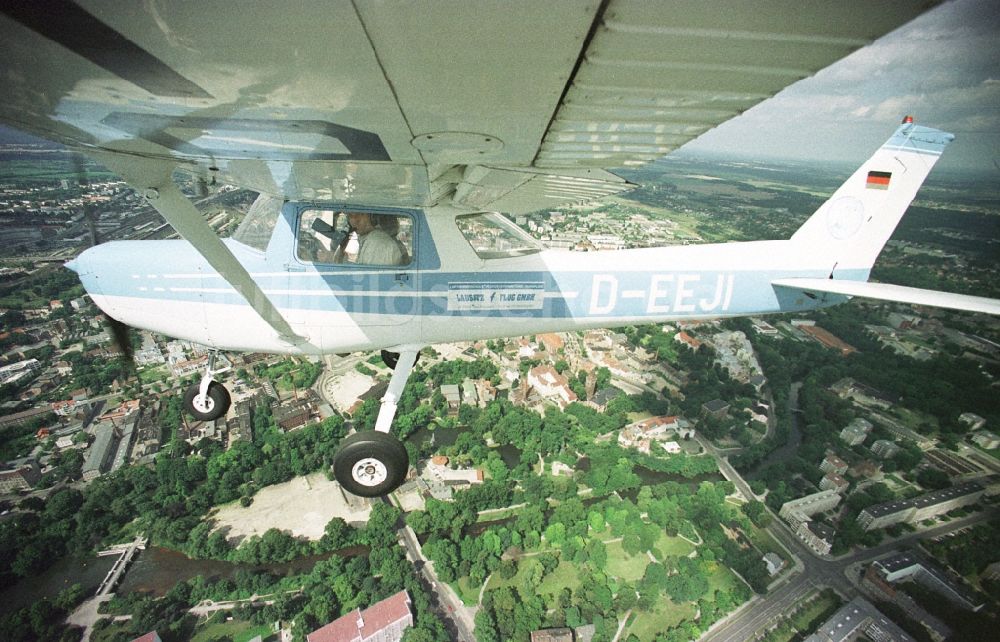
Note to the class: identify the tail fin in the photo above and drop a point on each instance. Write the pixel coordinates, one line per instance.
(851, 228)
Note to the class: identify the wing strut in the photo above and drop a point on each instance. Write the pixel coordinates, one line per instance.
(152, 179)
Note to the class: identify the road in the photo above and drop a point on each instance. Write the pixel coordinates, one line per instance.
(461, 617)
(840, 574)
(335, 367)
(811, 571)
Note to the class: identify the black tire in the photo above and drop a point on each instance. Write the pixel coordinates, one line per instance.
(390, 359)
(371, 464)
(216, 404)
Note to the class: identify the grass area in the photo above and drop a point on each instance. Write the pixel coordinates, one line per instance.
(109, 633)
(687, 225)
(468, 593)
(785, 187)
(767, 544)
(646, 625)
(672, 546)
(624, 567)
(666, 614)
(896, 480)
(812, 611)
(153, 375)
(563, 576)
(235, 630)
(688, 530)
(265, 632)
(720, 578)
(995, 453)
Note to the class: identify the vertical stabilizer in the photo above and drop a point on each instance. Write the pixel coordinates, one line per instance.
(851, 228)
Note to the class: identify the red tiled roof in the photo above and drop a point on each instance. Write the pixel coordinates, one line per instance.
(344, 629)
(392, 609)
(688, 339)
(552, 341)
(374, 618)
(828, 339)
(152, 636)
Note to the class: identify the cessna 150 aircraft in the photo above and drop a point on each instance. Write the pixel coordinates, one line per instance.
(386, 140)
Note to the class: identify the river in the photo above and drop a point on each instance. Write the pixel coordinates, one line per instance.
(157, 569)
(88, 572)
(787, 450)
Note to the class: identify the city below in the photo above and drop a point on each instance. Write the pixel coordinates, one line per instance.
(823, 477)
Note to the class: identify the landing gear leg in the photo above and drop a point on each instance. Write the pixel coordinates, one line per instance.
(208, 400)
(373, 463)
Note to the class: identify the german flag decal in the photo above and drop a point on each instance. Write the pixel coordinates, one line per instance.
(878, 180)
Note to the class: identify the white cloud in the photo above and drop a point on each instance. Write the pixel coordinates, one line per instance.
(944, 68)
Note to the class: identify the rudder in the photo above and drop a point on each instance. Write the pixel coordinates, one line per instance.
(850, 229)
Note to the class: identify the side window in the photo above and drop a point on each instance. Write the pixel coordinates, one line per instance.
(361, 238)
(493, 236)
(258, 225)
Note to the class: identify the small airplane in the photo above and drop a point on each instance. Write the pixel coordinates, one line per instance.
(388, 140)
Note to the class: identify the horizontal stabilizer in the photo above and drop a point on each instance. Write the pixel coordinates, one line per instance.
(897, 293)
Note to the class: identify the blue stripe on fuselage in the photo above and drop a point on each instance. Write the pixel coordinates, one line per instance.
(598, 294)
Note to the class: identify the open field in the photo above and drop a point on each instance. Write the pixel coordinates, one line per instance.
(301, 507)
(622, 566)
(675, 546)
(236, 630)
(666, 614)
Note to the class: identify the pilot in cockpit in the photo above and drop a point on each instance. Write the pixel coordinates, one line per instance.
(377, 243)
(364, 239)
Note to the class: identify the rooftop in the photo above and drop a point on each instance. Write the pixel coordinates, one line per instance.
(925, 500)
(857, 614)
(362, 625)
(822, 531)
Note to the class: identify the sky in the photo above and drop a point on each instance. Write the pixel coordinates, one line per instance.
(943, 68)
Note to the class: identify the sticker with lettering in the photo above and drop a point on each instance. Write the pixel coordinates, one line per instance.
(496, 296)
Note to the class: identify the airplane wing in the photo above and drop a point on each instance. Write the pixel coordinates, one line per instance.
(513, 105)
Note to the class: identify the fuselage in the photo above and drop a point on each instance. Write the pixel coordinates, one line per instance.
(447, 292)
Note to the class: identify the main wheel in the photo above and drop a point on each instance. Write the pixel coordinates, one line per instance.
(371, 464)
(214, 405)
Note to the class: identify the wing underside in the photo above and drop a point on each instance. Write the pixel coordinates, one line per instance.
(513, 105)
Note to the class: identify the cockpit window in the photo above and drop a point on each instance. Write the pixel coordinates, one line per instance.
(257, 226)
(361, 238)
(493, 236)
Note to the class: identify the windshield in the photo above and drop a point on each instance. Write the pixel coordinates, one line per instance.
(258, 225)
(494, 236)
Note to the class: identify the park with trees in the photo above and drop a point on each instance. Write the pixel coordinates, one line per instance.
(596, 547)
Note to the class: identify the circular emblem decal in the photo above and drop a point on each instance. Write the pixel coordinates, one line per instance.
(845, 216)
